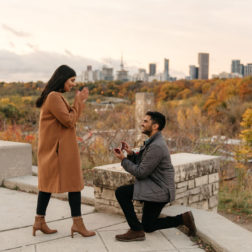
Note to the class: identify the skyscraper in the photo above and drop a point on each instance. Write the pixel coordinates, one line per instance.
(237, 67)
(203, 59)
(152, 69)
(89, 75)
(107, 73)
(248, 70)
(193, 72)
(166, 69)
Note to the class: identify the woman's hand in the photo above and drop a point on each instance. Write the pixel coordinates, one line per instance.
(84, 94)
(81, 96)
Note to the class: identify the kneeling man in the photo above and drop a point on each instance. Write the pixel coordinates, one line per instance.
(154, 184)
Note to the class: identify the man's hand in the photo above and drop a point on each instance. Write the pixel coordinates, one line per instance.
(118, 153)
(126, 147)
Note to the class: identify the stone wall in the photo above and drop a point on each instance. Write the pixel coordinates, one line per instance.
(196, 178)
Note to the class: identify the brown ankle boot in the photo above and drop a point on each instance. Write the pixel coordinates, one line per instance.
(131, 235)
(41, 225)
(79, 227)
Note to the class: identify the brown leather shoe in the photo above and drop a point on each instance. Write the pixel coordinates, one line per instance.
(41, 225)
(131, 235)
(188, 221)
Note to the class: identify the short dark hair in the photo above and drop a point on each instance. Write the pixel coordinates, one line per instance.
(157, 118)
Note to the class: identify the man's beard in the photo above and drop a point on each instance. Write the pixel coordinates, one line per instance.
(147, 132)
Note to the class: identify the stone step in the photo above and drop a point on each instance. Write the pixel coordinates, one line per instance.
(30, 184)
(216, 230)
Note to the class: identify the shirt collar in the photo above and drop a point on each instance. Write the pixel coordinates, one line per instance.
(151, 138)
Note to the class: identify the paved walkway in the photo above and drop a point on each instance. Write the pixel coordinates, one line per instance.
(17, 215)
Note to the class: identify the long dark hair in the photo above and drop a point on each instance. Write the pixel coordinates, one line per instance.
(56, 83)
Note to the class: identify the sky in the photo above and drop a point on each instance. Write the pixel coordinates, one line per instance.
(38, 36)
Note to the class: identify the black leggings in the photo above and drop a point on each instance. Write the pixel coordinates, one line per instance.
(74, 199)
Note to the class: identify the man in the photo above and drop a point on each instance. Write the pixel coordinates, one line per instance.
(154, 184)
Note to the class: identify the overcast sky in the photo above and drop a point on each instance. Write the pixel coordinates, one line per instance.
(37, 36)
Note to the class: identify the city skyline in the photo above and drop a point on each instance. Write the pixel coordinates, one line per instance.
(38, 36)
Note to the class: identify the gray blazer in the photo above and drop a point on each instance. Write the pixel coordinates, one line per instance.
(153, 170)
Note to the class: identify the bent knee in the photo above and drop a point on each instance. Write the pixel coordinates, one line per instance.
(148, 228)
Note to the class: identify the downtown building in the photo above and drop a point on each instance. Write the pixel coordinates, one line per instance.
(193, 72)
(241, 69)
(122, 74)
(203, 61)
(202, 71)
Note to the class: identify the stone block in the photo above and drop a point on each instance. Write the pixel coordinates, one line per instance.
(213, 202)
(201, 205)
(111, 176)
(182, 184)
(206, 191)
(191, 184)
(201, 181)
(193, 198)
(215, 188)
(108, 194)
(189, 166)
(15, 160)
(181, 195)
(194, 191)
(181, 201)
(213, 178)
(181, 190)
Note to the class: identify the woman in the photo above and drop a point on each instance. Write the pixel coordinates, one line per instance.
(59, 168)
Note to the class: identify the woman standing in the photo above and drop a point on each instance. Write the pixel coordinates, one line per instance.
(59, 168)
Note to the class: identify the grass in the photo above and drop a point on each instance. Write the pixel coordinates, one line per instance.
(234, 199)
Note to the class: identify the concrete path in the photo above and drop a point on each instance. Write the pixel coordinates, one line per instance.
(212, 227)
(17, 210)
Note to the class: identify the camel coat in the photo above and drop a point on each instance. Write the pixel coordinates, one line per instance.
(59, 167)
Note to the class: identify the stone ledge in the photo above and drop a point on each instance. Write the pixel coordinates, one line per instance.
(30, 184)
(15, 159)
(193, 174)
(219, 232)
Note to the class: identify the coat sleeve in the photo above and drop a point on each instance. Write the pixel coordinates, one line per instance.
(148, 164)
(133, 157)
(59, 109)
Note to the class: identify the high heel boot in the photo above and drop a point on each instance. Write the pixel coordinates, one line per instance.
(79, 227)
(41, 225)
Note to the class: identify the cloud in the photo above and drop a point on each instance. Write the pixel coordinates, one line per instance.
(32, 46)
(15, 32)
(38, 65)
(68, 53)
